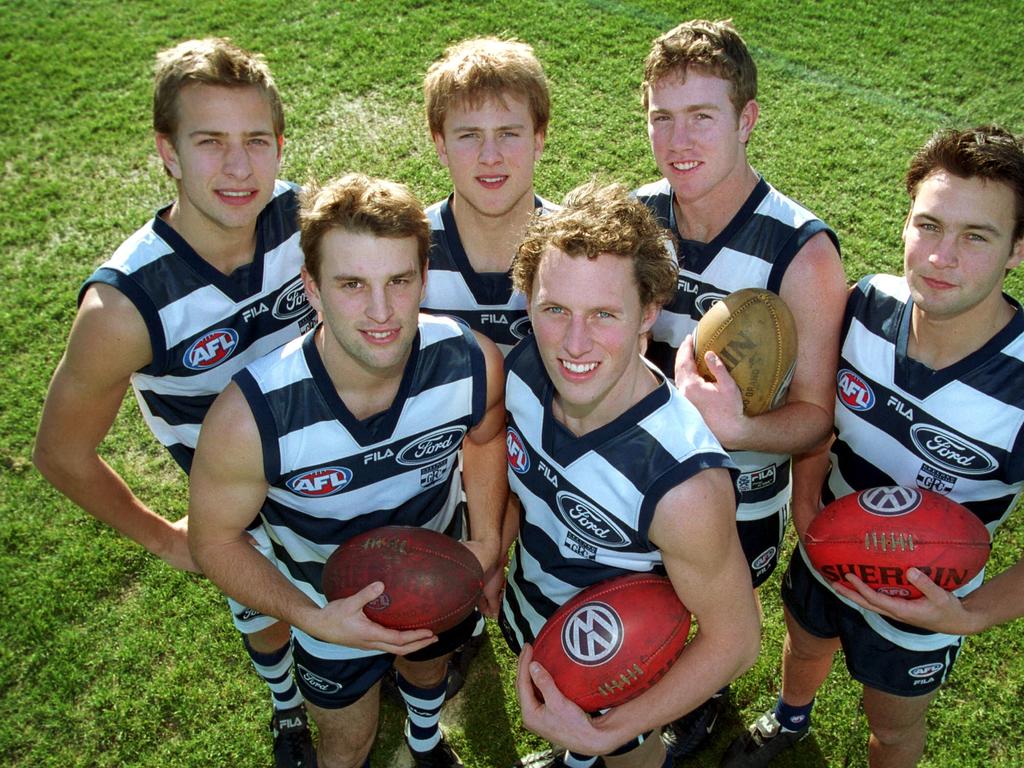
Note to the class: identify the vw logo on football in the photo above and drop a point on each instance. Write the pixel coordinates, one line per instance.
(889, 500)
(588, 521)
(515, 449)
(291, 302)
(853, 391)
(431, 447)
(950, 451)
(320, 482)
(592, 634)
(211, 349)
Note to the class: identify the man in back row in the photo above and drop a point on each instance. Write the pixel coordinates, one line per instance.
(928, 396)
(736, 231)
(210, 284)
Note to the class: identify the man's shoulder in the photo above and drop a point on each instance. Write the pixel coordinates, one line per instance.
(653, 191)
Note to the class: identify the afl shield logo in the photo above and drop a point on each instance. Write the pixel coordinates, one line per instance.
(889, 501)
(291, 302)
(926, 670)
(211, 350)
(707, 300)
(592, 634)
(431, 447)
(320, 482)
(951, 452)
(515, 450)
(588, 522)
(521, 328)
(853, 391)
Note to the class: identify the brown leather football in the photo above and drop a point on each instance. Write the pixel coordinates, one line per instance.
(753, 333)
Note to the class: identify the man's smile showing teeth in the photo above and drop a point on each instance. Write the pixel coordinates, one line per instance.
(687, 166)
(380, 335)
(578, 367)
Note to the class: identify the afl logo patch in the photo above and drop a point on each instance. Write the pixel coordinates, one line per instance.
(515, 450)
(588, 522)
(291, 302)
(764, 559)
(889, 501)
(592, 634)
(951, 452)
(521, 328)
(211, 350)
(320, 482)
(431, 447)
(926, 670)
(853, 391)
(707, 300)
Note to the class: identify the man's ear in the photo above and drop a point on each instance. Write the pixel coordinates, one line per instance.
(168, 155)
(650, 315)
(442, 150)
(748, 119)
(312, 290)
(1016, 253)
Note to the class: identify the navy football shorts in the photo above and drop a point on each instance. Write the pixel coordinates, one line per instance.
(761, 540)
(871, 659)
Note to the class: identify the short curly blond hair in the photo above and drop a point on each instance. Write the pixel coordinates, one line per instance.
(598, 219)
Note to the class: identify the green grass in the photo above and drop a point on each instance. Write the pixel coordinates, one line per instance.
(110, 658)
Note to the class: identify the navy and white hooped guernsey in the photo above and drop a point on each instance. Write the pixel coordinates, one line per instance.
(484, 301)
(753, 251)
(587, 502)
(205, 326)
(333, 476)
(958, 431)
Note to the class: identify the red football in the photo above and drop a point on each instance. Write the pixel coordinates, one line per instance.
(430, 580)
(613, 640)
(878, 533)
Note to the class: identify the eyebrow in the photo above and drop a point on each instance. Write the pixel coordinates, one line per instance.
(460, 128)
(205, 132)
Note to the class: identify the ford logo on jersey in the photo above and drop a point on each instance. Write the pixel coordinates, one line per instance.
(950, 451)
(515, 449)
(853, 391)
(588, 522)
(707, 300)
(211, 350)
(521, 328)
(291, 302)
(431, 447)
(320, 482)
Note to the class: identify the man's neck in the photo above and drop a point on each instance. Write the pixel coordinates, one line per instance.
(942, 342)
(364, 391)
(224, 249)
(704, 219)
(634, 386)
(490, 242)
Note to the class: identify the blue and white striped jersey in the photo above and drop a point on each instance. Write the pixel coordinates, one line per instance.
(958, 431)
(753, 251)
(333, 476)
(205, 326)
(587, 502)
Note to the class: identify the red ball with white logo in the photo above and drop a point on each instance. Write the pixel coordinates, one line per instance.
(430, 580)
(613, 640)
(879, 533)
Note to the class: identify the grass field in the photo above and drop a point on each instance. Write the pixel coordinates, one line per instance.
(109, 658)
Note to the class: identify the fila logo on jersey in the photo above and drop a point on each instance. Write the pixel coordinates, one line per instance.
(854, 392)
(316, 682)
(320, 482)
(515, 450)
(706, 300)
(292, 301)
(589, 522)
(889, 501)
(592, 634)
(211, 350)
(951, 452)
(431, 447)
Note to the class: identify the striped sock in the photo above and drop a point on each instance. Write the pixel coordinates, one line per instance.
(423, 707)
(276, 670)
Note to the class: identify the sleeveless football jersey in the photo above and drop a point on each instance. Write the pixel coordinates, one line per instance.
(958, 431)
(333, 476)
(483, 301)
(205, 326)
(587, 502)
(753, 251)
